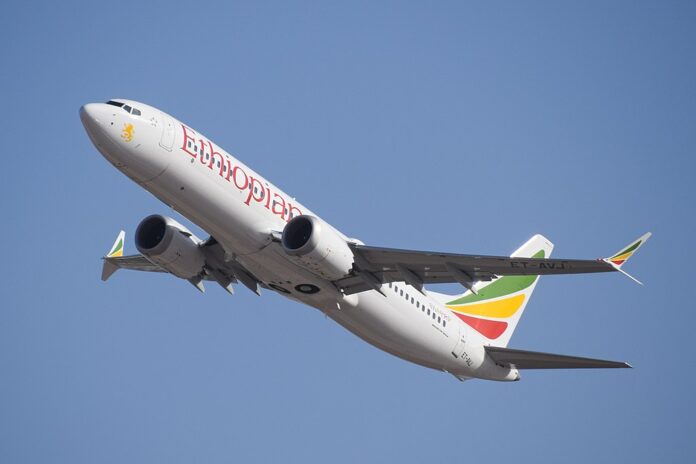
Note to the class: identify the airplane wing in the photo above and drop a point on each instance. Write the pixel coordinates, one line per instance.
(134, 262)
(521, 359)
(217, 268)
(114, 260)
(423, 267)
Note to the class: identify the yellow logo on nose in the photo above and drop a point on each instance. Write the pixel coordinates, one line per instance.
(127, 133)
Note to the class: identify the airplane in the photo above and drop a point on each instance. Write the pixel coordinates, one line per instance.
(265, 239)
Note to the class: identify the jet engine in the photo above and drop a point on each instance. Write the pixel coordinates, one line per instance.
(170, 245)
(317, 246)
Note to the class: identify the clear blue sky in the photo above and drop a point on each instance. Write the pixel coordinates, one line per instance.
(452, 126)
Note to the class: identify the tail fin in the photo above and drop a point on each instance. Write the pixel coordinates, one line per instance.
(496, 307)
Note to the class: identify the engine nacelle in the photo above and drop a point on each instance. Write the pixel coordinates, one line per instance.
(170, 245)
(318, 247)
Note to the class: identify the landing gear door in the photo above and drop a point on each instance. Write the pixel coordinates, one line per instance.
(168, 132)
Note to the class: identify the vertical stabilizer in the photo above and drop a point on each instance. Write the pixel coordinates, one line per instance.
(496, 307)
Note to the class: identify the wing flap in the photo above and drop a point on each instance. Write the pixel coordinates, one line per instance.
(522, 359)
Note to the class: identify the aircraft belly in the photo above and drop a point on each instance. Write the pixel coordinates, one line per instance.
(387, 323)
(397, 329)
(376, 340)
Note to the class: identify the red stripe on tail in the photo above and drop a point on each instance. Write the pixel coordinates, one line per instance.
(487, 328)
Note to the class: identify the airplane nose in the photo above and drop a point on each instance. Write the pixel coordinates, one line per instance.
(89, 115)
(94, 119)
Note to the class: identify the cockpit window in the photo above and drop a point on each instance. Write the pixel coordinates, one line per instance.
(128, 109)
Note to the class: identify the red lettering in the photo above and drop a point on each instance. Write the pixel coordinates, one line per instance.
(213, 154)
(268, 196)
(234, 178)
(254, 192)
(278, 205)
(202, 158)
(188, 141)
(294, 211)
(229, 169)
(257, 191)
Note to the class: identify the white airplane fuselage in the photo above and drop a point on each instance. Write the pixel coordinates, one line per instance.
(242, 210)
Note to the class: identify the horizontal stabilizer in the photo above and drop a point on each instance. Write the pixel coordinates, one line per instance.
(521, 359)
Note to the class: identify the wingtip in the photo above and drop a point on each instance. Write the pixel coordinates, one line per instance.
(116, 250)
(617, 260)
(644, 238)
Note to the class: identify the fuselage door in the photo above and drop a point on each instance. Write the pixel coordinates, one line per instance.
(458, 349)
(168, 132)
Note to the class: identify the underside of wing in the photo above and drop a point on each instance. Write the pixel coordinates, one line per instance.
(423, 267)
(427, 267)
(434, 267)
(215, 268)
(133, 262)
(521, 359)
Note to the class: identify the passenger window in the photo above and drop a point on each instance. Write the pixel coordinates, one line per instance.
(438, 319)
(412, 300)
(444, 323)
(428, 311)
(401, 292)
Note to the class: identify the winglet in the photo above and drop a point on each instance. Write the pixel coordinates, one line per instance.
(110, 266)
(117, 247)
(619, 259)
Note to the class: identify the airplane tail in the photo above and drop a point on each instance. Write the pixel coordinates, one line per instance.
(496, 307)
